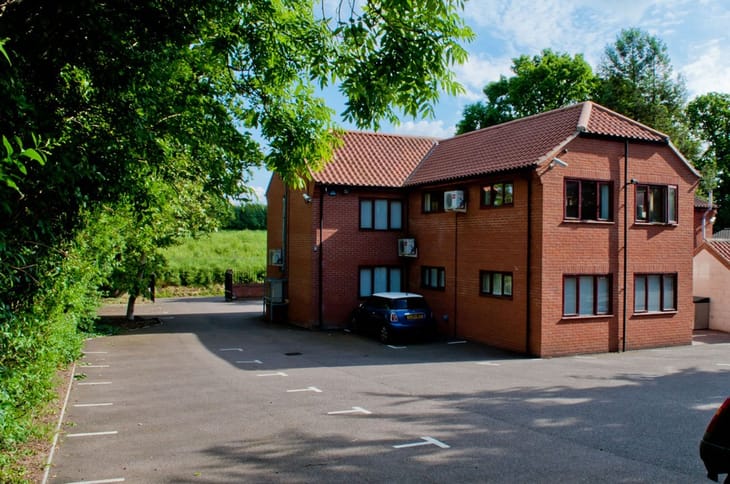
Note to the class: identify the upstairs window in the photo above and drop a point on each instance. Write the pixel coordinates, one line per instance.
(381, 214)
(433, 202)
(588, 200)
(498, 194)
(433, 277)
(656, 204)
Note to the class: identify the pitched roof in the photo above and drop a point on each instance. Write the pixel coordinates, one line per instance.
(702, 203)
(374, 160)
(720, 249)
(723, 234)
(525, 142)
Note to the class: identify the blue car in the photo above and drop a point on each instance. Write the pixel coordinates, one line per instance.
(393, 314)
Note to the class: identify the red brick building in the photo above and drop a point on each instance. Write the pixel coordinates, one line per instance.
(567, 232)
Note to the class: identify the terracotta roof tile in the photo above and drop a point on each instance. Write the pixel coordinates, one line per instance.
(374, 160)
(599, 120)
(702, 203)
(721, 249)
(524, 142)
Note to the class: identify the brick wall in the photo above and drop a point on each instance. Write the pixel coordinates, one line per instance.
(482, 239)
(345, 248)
(598, 248)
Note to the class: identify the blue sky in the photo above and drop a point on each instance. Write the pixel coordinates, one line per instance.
(696, 32)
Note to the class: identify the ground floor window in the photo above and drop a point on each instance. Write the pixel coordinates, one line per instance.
(586, 295)
(379, 279)
(433, 277)
(496, 283)
(655, 293)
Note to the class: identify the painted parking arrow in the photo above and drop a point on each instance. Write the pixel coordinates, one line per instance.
(354, 410)
(426, 441)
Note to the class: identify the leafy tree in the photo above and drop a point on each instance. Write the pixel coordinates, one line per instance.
(154, 109)
(249, 216)
(709, 117)
(175, 90)
(541, 83)
(637, 80)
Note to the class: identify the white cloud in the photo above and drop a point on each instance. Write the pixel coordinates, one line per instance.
(434, 128)
(478, 71)
(710, 71)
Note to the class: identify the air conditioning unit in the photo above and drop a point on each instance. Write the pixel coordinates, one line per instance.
(454, 201)
(407, 248)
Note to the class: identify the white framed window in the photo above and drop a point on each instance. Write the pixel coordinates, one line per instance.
(656, 204)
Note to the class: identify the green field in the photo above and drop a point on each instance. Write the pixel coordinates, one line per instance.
(202, 263)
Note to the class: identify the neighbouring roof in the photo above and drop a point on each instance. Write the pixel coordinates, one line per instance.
(720, 249)
(723, 234)
(525, 142)
(374, 160)
(702, 203)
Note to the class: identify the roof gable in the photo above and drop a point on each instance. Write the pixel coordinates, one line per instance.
(720, 249)
(525, 142)
(374, 160)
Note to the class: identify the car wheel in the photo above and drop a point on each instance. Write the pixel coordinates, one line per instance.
(386, 335)
(354, 326)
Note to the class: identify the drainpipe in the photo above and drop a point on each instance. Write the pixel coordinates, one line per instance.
(320, 289)
(704, 217)
(528, 314)
(626, 236)
(456, 270)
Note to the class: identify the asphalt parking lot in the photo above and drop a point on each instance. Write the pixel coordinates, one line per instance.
(216, 394)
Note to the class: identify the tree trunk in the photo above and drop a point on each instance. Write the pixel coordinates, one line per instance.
(130, 307)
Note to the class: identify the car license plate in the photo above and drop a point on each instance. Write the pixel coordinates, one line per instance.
(414, 316)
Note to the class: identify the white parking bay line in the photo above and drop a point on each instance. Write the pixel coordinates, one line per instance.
(101, 481)
(106, 404)
(308, 389)
(461, 342)
(249, 362)
(488, 363)
(93, 434)
(231, 349)
(94, 366)
(95, 352)
(354, 410)
(426, 441)
(278, 373)
(94, 383)
(723, 364)
(397, 347)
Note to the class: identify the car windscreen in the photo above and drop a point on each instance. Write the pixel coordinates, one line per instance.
(410, 303)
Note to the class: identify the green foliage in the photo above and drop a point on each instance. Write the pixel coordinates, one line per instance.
(249, 216)
(547, 81)
(154, 110)
(203, 261)
(709, 117)
(637, 80)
